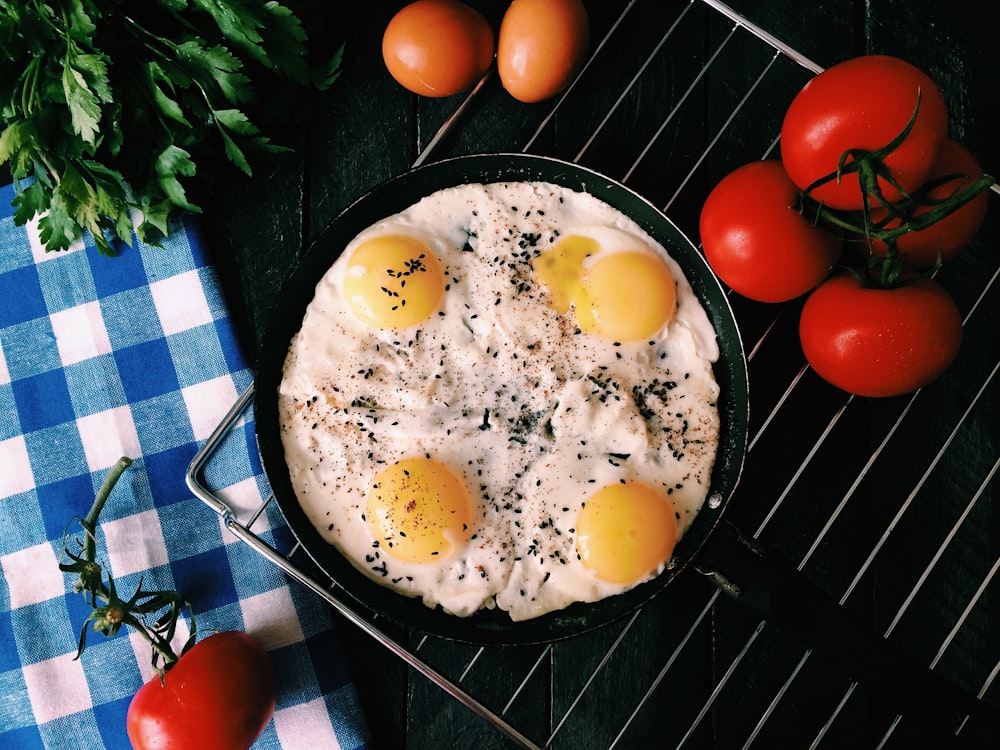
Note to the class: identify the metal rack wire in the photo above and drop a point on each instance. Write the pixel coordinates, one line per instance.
(963, 620)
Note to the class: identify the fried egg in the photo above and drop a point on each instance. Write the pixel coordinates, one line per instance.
(503, 396)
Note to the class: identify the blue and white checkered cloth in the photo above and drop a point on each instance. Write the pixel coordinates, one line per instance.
(135, 356)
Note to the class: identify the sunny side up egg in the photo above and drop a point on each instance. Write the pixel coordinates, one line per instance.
(503, 397)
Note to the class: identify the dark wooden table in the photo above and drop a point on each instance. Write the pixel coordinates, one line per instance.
(889, 505)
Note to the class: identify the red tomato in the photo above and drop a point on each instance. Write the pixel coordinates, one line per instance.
(220, 695)
(880, 342)
(756, 239)
(919, 249)
(863, 103)
(438, 47)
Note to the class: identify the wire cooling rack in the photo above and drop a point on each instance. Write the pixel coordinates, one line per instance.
(931, 518)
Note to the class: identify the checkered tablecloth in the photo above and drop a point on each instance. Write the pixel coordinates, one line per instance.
(135, 356)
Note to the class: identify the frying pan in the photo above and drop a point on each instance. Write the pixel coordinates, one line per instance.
(711, 545)
(495, 626)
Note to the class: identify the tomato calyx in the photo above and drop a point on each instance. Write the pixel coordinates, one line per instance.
(911, 220)
(110, 611)
(869, 165)
(914, 211)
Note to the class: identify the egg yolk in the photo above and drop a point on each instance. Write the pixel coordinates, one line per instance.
(625, 532)
(624, 296)
(393, 281)
(560, 270)
(419, 510)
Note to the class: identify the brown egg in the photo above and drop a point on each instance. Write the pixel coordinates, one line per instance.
(438, 47)
(541, 46)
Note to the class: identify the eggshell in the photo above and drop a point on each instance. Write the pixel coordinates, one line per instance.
(542, 45)
(438, 48)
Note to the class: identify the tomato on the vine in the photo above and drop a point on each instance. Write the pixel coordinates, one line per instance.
(919, 249)
(220, 694)
(863, 103)
(874, 341)
(757, 240)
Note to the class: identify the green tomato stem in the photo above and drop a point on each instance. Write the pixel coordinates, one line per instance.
(158, 644)
(108, 596)
(89, 523)
(885, 270)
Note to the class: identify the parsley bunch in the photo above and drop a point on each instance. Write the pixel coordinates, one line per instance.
(109, 104)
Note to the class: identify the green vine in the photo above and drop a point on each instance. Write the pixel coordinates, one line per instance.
(913, 212)
(110, 611)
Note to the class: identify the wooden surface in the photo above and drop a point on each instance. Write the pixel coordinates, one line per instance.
(853, 485)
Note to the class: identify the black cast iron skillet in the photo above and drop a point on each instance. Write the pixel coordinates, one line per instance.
(396, 195)
(738, 566)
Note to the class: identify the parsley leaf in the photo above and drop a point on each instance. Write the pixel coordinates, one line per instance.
(171, 163)
(108, 109)
(83, 104)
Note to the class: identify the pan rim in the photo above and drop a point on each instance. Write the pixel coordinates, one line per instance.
(393, 195)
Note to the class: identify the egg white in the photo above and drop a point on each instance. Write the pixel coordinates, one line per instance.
(533, 414)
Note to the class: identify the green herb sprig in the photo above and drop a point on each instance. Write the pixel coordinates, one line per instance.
(109, 106)
(110, 611)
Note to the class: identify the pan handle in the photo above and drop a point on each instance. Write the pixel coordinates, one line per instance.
(779, 593)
